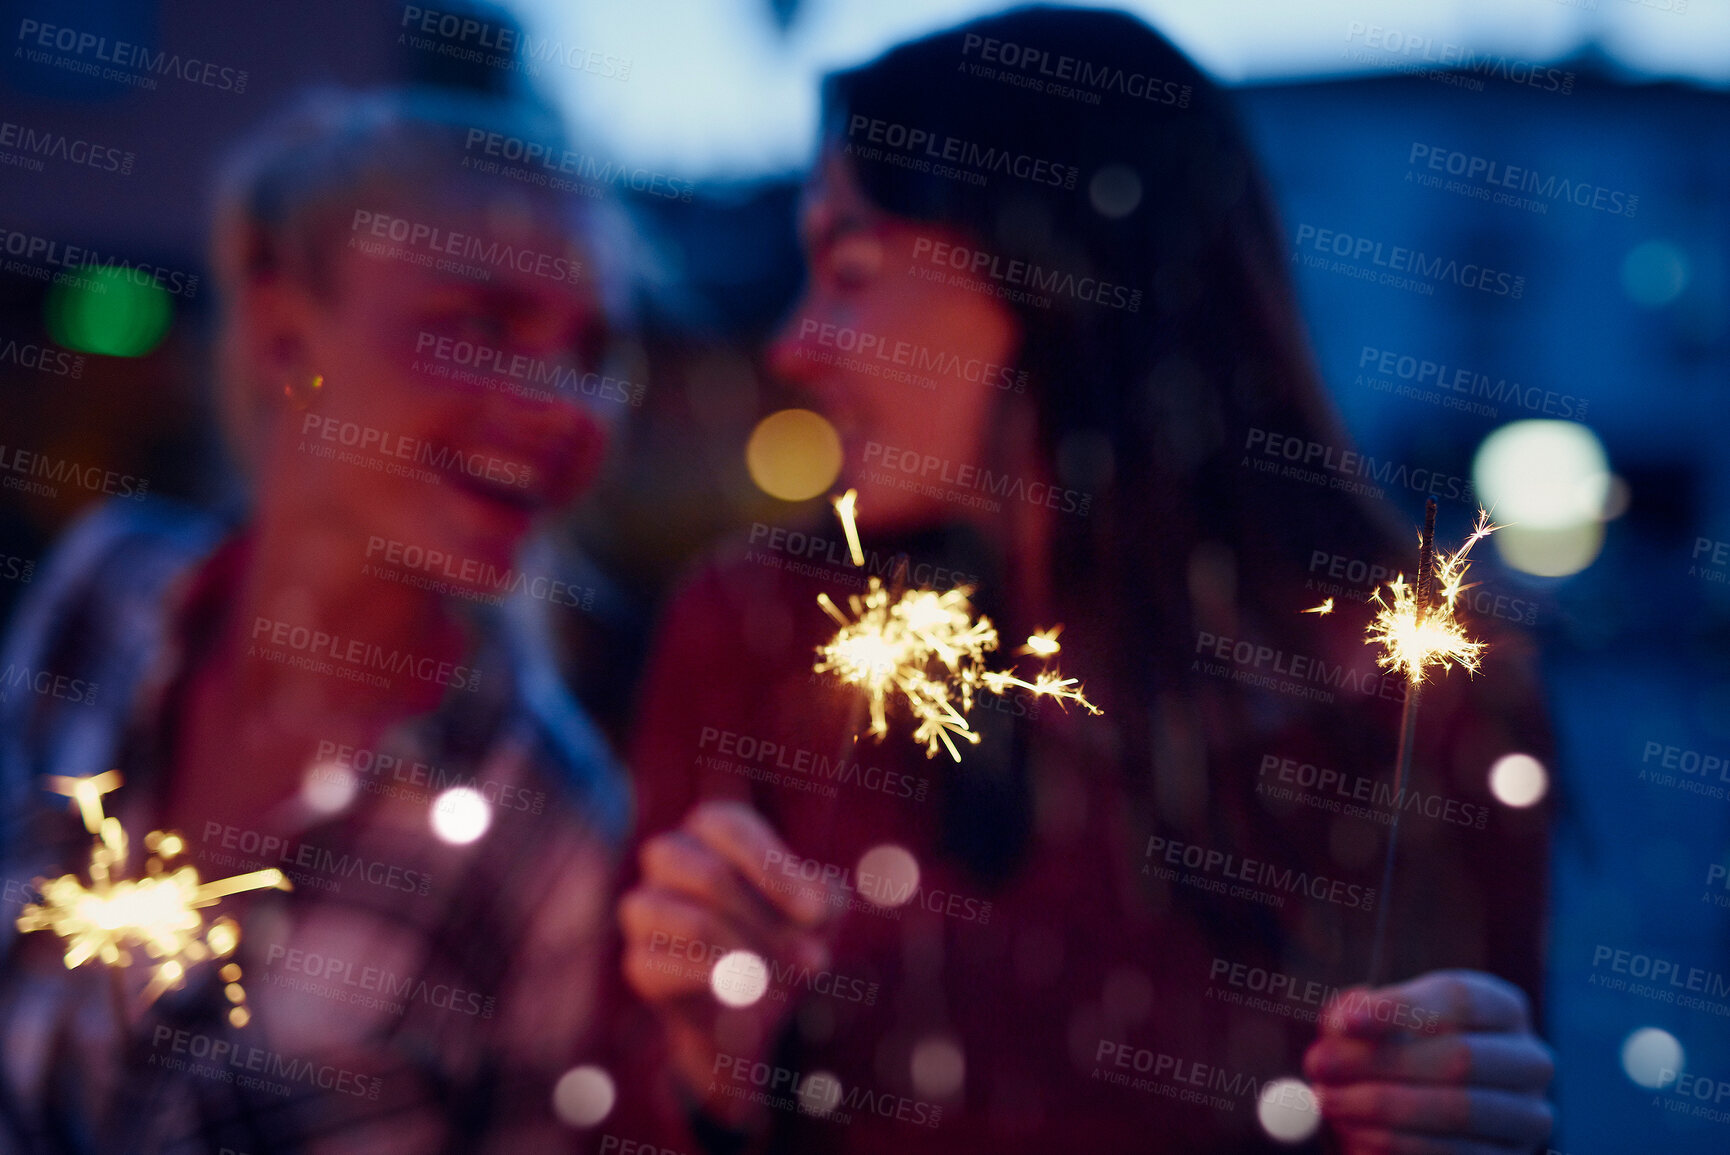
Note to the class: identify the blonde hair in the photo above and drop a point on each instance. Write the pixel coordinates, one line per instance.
(284, 196)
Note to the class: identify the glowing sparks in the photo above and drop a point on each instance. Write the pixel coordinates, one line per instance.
(1042, 643)
(115, 920)
(846, 507)
(1322, 610)
(926, 649)
(1417, 631)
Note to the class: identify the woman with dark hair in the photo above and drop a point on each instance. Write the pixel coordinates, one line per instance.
(1047, 314)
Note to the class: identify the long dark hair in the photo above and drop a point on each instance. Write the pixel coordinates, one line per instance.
(1149, 409)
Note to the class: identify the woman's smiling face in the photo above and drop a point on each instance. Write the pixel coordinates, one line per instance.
(409, 441)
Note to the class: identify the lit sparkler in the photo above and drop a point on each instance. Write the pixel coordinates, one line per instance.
(1417, 630)
(845, 508)
(115, 920)
(926, 649)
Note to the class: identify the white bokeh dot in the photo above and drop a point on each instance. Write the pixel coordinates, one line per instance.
(739, 978)
(1518, 780)
(1288, 1111)
(819, 1093)
(460, 815)
(328, 787)
(888, 875)
(1652, 1057)
(584, 1096)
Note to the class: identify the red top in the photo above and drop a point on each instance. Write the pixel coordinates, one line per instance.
(1159, 948)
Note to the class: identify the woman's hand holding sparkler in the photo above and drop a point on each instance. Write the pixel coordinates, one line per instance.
(707, 891)
(1444, 1063)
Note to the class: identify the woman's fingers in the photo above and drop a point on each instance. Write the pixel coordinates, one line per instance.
(1478, 1114)
(1510, 1062)
(654, 918)
(1440, 1001)
(681, 863)
(746, 841)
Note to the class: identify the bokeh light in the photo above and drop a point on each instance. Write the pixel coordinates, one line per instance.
(739, 978)
(328, 787)
(820, 1092)
(110, 311)
(1549, 485)
(1652, 1057)
(460, 815)
(938, 1067)
(793, 454)
(1287, 1110)
(888, 875)
(1518, 780)
(584, 1096)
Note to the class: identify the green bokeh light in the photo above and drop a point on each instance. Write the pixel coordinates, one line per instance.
(111, 311)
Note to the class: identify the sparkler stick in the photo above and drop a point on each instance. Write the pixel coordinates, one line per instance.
(1417, 629)
(113, 919)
